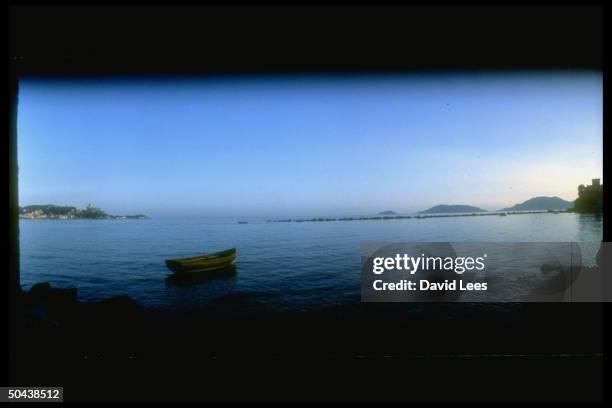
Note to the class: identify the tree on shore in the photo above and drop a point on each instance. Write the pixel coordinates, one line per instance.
(590, 198)
(92, 212)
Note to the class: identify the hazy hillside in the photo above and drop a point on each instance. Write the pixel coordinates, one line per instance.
(388, 212)
(445, 208)
(541, 203)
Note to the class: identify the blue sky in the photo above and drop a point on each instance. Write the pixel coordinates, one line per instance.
(308, 145)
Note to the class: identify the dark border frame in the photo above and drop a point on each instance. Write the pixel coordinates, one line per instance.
(483, 39)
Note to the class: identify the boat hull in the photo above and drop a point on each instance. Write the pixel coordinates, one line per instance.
(203, 263)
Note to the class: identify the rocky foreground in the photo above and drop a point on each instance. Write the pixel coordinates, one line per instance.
(115, 350)
(44, 306)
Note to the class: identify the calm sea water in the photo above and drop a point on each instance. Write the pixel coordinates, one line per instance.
(284, 266)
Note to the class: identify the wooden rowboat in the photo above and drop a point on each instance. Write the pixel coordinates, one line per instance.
(207, 262)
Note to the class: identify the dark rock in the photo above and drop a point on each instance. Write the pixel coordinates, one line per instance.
(547, 268)
(117, 308)
(44, 306)
(40, 290)
(44, 294)
(599, 257)
(63, 296)
(554, 288)
(122, 302)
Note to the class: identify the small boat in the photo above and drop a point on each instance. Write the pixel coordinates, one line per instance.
(207, 262)
(243, 222)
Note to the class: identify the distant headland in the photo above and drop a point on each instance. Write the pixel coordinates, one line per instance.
(450, 209)
(589, 201)
(541, 203)
(58, 212)
(388, 212)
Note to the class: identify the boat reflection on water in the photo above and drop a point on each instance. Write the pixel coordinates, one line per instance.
(194, 278)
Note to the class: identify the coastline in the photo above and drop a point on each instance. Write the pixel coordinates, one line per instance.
(118, 217)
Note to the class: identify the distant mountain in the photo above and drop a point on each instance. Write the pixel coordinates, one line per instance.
(541, 203)
(445, 209)
(388, 212)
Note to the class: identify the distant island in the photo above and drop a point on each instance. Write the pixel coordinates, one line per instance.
(58, 212)
(388, 212)
(541, 203)
(447, 209)
(590, 200)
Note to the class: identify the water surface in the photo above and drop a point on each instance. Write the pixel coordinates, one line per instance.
(284, 266)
